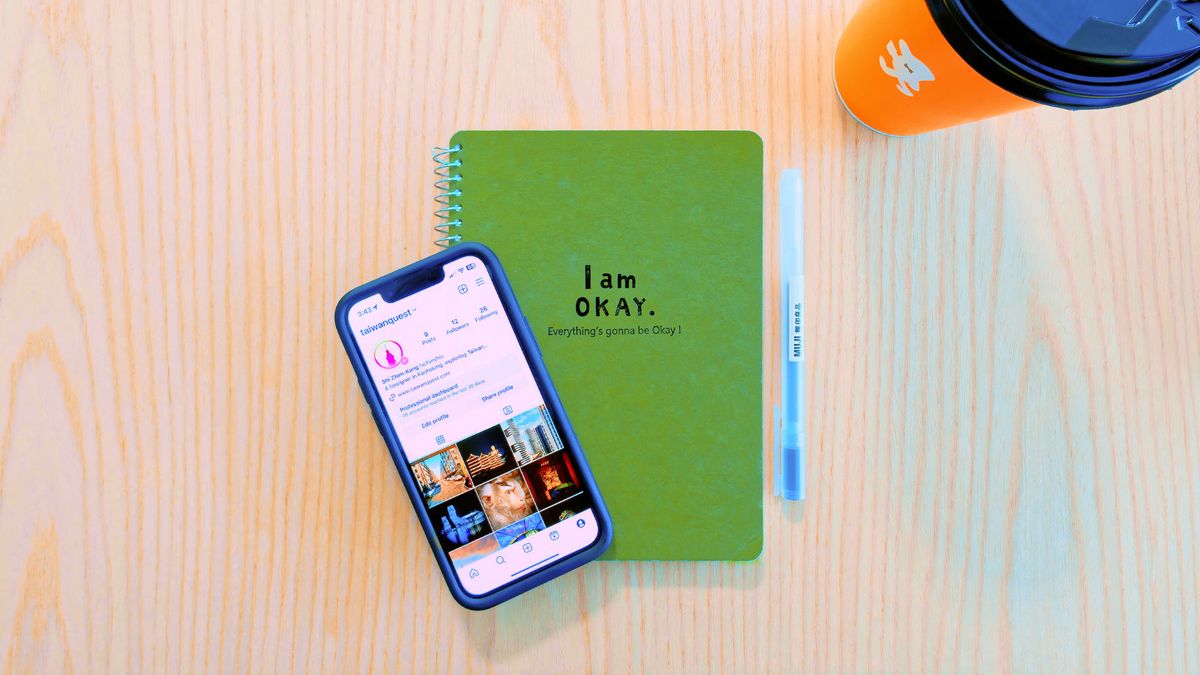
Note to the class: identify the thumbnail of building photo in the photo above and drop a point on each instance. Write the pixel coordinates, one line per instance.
(441, 476)
(532, 435)
(486, 455)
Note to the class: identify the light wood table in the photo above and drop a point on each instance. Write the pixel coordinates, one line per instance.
(1004, 324)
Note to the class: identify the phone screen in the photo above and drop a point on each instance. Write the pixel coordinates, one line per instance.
(503, 492)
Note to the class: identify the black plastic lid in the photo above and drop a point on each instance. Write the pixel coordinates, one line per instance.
(1076, 53)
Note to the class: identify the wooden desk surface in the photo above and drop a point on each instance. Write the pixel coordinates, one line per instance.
(1003, 319)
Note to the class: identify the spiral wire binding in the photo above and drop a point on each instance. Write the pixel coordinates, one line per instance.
(445, 185)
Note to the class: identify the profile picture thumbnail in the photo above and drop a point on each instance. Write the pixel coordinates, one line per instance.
(442, 476)
(552, 479)
(506, 499)
(459, 521)
(389, 354)
(487, 455)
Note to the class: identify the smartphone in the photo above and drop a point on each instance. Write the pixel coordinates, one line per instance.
(456, 384)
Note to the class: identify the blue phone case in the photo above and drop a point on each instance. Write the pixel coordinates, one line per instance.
(533, 356)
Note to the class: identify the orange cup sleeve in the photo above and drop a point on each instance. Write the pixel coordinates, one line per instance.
(898, 75)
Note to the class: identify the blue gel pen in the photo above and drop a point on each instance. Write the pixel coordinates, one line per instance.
(790, 476)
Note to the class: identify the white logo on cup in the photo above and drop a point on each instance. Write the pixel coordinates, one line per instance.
(908, 70)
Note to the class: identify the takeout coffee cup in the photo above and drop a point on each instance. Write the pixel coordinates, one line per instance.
(906, 67)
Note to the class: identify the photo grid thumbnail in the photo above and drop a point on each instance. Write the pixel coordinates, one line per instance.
(499, 486)
(532, 435)
(552, 479)
(487, 455)
(459, 521)
(506, 500)
(442, 476)
(520, 530)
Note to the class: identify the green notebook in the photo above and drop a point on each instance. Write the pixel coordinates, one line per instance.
(637, 259)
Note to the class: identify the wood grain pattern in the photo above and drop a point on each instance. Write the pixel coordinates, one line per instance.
(1003, 321)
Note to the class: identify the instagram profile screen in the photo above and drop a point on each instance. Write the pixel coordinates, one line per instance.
(502, 491)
